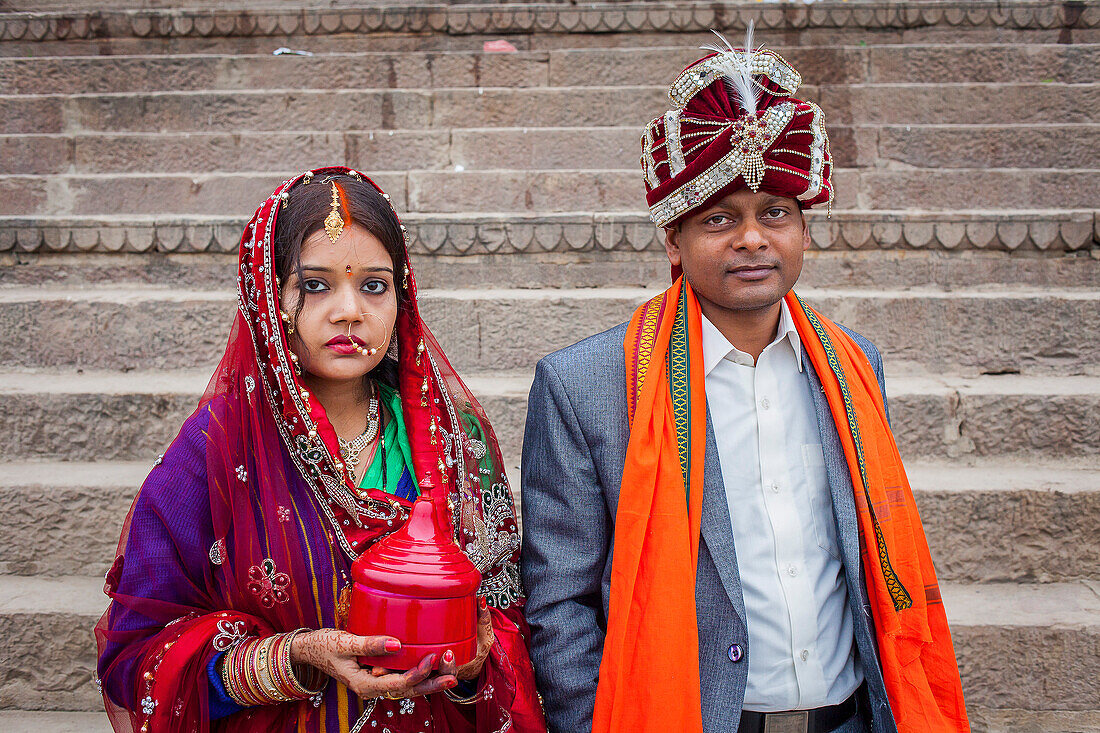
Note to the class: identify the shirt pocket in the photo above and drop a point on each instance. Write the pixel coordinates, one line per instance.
(821, 500)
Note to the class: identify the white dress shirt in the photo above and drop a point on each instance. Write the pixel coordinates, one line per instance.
(801, 649)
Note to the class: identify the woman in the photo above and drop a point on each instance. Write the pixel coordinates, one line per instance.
(332, 405)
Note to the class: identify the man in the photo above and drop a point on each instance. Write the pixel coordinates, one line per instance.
(719, 534)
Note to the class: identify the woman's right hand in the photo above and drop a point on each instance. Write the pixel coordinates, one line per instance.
(335, 653)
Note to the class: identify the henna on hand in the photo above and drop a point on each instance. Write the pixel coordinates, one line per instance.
(485, 640)
(336, 654)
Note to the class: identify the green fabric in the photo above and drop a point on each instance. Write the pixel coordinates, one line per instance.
(398, 451)
(486, 466)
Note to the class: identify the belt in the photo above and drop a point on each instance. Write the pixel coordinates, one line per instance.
(818, 720)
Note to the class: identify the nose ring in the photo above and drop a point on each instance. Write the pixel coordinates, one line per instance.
(371, 351)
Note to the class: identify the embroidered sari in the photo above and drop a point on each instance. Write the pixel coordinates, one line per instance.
(248, 526)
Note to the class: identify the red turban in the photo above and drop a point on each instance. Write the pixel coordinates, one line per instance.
(712, 143)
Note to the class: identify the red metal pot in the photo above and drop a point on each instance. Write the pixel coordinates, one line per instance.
(419, 587)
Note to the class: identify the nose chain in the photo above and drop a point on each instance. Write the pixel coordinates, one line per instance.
(351, 449)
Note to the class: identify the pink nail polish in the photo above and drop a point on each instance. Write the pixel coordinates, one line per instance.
(393, 645)
(482, 603)
(448, 656)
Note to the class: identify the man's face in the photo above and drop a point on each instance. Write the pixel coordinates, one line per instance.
(743, 252)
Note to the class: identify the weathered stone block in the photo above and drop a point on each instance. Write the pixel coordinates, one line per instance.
(542, 148)
(1018, 420)
(985, 189)
(207, 194)
(1061, 673)
(1009, 522)
(202, 152)
(542, 107)
(333, 110)
(971, 146)
(961, 103)
(38, 154)
(537, 191)
(61, 529)
(22, 195)
(994, 64)
(21, 115)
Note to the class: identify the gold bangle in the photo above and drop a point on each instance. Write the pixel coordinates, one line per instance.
(235, 672)
(293, 684)
(259, 672)
(279, 661)
(263, 669)
(250, 676)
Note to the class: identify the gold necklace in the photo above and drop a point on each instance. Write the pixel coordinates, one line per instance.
(351, 449)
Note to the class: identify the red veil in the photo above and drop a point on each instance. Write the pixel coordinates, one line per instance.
(245, 527)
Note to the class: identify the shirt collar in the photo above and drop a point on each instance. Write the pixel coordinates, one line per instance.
(717, 347)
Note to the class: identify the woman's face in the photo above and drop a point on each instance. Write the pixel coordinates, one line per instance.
(349, 300)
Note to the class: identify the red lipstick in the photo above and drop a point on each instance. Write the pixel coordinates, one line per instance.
(344, 344)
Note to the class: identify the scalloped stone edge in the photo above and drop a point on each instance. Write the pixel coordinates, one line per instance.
(524, 18)
(1056, 231)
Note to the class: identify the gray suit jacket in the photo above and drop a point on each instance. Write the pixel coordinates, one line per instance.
(574, 450)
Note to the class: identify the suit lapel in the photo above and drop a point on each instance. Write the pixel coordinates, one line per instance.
(715, 525)
(836, 470)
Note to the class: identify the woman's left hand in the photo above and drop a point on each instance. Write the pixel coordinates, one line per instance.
(485, 640)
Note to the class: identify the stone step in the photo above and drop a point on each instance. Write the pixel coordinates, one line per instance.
(634, 106)
(46, 624)
(996, 627)
(1017, 720)
(1005, 521)
(915, 63)
(132, 416)
(867, 146)
(990, 522)
(25, 721)
(532, 191)
(600, 24)
(962, 331)
(73, 515)
(577, 233)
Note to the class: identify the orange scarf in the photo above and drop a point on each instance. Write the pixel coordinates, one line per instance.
(657, 531)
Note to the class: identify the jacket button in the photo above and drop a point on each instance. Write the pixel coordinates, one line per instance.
(735, 653)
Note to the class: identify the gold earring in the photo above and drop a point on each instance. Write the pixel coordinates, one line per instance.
(405, 278)
(286, 319)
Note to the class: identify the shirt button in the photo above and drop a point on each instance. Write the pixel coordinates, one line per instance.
(774, 486)
(805, 654)
(764, 404)
(735, 652)
(792, 570)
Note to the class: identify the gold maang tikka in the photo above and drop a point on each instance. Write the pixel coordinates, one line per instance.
(334, 223)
